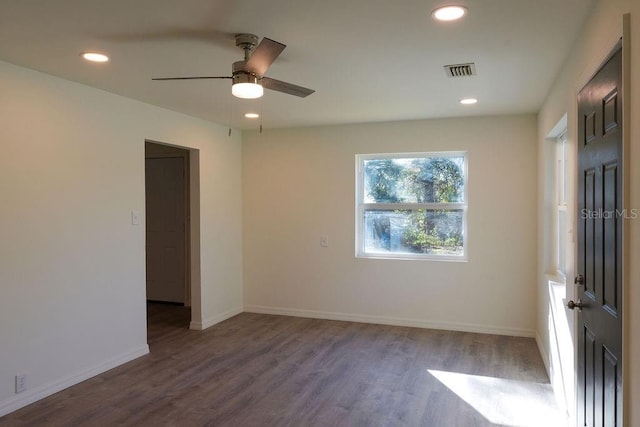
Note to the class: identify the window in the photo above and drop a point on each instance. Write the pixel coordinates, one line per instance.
(561, 203)
(411, 206)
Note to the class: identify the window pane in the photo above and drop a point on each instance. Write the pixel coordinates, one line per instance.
(561, 171)
(562, 241)
(414, 180)
(421, 231)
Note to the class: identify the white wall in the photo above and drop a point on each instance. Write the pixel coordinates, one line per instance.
(601, 32)
(298, 184)
(72, 267)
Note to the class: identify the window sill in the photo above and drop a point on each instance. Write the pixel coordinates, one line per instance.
(556, 278)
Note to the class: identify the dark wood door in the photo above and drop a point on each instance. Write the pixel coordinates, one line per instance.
(600, 218)
(165, 248)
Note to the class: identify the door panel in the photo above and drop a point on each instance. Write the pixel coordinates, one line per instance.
(589, 371)
(165, 209)
(600, 247)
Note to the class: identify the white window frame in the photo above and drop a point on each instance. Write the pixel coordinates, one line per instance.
(561, 188)
(361, 207)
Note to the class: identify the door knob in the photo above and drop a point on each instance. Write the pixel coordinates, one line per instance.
(579, 280)
(572, 305)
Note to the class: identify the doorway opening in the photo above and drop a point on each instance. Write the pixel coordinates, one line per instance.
(172, 277)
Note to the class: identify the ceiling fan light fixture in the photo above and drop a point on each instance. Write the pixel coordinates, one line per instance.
(449, 13)
(247, 90)
(246, 86)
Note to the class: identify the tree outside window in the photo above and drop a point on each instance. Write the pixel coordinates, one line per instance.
(411, 205)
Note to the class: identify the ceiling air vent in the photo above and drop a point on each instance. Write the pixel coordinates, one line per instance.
(460, 70)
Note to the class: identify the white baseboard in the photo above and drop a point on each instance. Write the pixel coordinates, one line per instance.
(27, 397)
(209, 322)
(544, 354)
(395, 321)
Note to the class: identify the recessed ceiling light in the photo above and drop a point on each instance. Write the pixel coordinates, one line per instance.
(94, 56)
(449, 13)
(468, 101)
(252, 115)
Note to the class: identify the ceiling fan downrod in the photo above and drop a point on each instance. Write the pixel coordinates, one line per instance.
(246, 42)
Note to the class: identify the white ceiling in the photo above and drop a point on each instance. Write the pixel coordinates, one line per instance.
(368, 60)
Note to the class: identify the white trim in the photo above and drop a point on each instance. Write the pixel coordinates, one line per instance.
(413, 206)
(627, 238)
(361, 206)
(411, 155)
(560, 128)
(544, 355)
(395, 321)
(25, 398)
(209, 322)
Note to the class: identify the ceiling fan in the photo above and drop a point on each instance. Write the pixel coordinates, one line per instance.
(247, 75)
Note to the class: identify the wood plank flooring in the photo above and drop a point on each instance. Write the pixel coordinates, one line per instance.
(263, 370)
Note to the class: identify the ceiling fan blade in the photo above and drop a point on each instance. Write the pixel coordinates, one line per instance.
(263, 56)
(285, 87)
(192, 78)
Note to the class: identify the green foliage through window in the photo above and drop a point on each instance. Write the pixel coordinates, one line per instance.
(413, 205)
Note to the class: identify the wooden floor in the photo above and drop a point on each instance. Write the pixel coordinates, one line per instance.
(263, 370)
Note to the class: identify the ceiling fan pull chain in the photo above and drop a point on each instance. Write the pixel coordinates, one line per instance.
(261, 112)
(231, 118)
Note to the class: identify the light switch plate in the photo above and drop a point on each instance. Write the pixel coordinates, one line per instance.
(21, 383)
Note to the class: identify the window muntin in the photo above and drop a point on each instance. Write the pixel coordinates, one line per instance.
(411, 206)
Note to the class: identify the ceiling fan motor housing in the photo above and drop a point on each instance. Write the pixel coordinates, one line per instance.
(244, 77)
(241, 75)
(245, 84)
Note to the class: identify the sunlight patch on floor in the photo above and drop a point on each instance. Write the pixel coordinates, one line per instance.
(505, 402)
